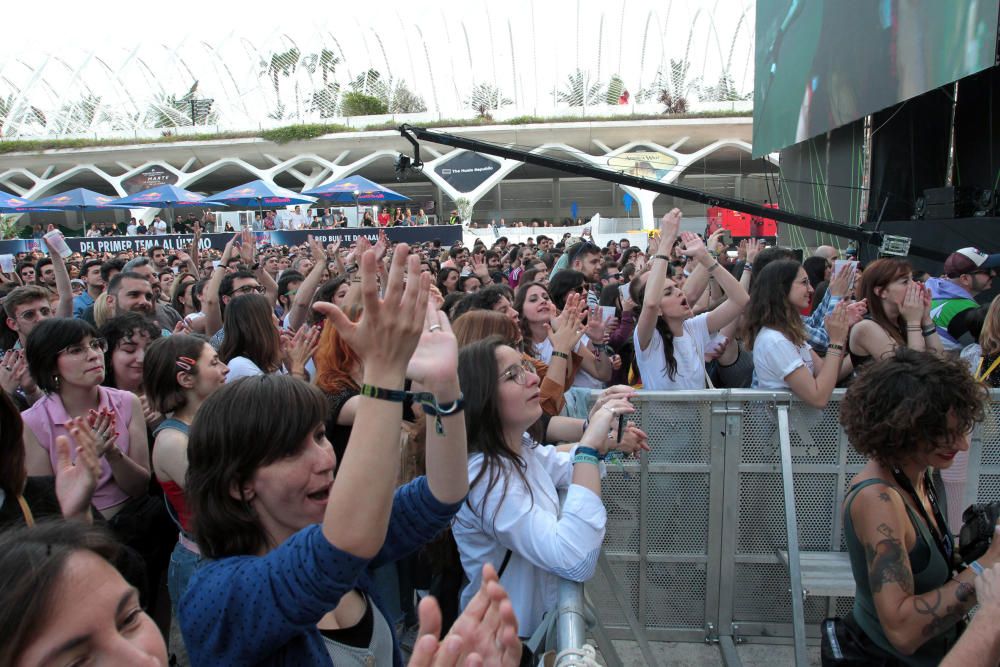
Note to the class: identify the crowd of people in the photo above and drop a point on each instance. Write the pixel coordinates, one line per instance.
(273, 448)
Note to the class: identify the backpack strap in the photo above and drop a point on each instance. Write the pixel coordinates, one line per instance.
(503, 565)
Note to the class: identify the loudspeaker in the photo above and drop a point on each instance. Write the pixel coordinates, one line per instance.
(985, 202)
(950, 202)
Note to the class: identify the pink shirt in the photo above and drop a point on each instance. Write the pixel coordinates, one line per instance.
(47, 420)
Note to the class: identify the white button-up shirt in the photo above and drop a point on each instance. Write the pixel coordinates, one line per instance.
(546, 545)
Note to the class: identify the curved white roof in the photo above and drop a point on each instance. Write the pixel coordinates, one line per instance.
(262, 68)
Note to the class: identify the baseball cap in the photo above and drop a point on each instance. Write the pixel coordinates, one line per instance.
(969, 260)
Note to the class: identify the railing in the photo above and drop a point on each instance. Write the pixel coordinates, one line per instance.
(695, 525)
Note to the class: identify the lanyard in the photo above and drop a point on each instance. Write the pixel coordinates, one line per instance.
(941, 536)
(989, 371)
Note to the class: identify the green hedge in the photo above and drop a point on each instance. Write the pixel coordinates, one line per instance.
(305, 132)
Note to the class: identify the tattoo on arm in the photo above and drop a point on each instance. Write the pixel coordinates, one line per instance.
(884, 497)
(888, 562)
(953, 613)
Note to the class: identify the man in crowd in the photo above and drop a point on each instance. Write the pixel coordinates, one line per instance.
(45, 274)
(159, 227)
(25, 307)
(967, 274)
(163, 313)
(585, 257)
(159, 257)
(297, 220)
(90, 273)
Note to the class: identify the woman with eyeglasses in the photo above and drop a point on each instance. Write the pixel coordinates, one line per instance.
(66, 358)
(254, 346)
(512, 518)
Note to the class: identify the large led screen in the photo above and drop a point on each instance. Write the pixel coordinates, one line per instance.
(820, 64)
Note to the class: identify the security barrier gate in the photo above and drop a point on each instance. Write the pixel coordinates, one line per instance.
(695, 526)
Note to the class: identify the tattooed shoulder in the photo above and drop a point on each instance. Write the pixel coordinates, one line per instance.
(888, 562)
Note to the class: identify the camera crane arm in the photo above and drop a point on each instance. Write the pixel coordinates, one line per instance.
(413, 134)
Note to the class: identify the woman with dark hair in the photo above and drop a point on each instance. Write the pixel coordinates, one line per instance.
(25, 499)
(253, 344)
(63, 602)
(512, 515)
(670, 341)
(127, 337)
(447, 280)
(899, 313)
(180, 295)
(909, 412)
(986, 368)
(775, 332)
(469, 284)
(66, 358)
(281, 531)
(180, 372)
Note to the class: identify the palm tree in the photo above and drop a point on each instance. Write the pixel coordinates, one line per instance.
(580, 91)
(486, 97)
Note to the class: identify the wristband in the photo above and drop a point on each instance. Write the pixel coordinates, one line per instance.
(748, 266)
(585, 458)
(835, 346)
(392, 395)
(976, 567)
(437, 410)
(929, 332)
(351, 269)
(661, 257)
(589, 451)
(713, 267)
(561, 355)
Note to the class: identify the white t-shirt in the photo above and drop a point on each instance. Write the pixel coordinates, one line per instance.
(775, 358)
(131, 230)
(241, 367)
(689, 352)
(297, 221)
(159, 227)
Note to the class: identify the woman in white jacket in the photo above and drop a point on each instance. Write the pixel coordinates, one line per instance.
(513, 502)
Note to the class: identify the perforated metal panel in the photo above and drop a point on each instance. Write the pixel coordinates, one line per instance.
(675, 595)
(694, 529)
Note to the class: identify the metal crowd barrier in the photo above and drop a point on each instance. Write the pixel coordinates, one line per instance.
(696, 525)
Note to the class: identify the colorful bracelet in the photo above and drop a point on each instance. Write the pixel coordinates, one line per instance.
(393, 395)
(589, 451)
(585, 458)
(748, 267)
(432, 408)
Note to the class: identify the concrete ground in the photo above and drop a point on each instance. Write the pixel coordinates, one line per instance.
(676, 654)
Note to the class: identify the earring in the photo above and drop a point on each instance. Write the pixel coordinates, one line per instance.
(55, 381)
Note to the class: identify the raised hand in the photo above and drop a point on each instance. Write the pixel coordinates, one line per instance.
(670, 226)
(912, 308)
(390, 328)
(227, 252)
(381, 246)
(76, 481)
(316, 250)
(634, 439)
(693, 246)
(436, 358)
(743, 251)
(596, 435)
(925, 294)
(754, 246)
(612, 393)
(841, 283)
(570, 331)
(102, 424)
(856, 311)
(837, 324)
(247, 247)
(300, 349)
(485, 633)
(10, 378)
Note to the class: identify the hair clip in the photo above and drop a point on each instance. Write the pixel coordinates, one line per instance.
(186, 363)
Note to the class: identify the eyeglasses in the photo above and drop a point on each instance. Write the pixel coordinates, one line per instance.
(79, 349)
(519, 373)
(249, 289)
(32, 315)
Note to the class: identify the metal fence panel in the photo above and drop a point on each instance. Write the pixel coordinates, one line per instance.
(694, 528)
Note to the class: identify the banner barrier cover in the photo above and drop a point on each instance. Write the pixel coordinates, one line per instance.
(447, 234)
